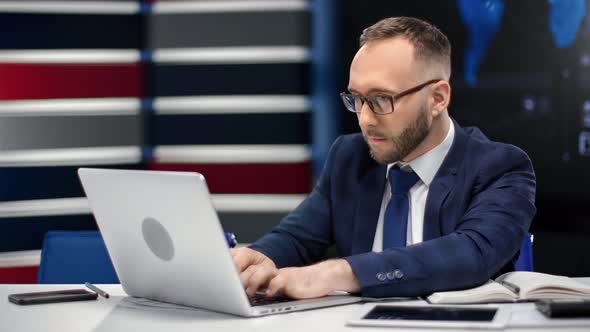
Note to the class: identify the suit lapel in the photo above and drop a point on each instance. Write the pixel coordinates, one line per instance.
(437, 193)
(371, 189)
(442, 184)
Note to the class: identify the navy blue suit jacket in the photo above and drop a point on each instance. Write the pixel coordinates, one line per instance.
(479, 208)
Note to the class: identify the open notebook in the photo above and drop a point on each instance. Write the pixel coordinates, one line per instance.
(517, 286)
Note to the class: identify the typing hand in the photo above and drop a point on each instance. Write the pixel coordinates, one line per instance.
(255, 269)
(314, 281)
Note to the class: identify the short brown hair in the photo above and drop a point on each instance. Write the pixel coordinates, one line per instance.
(430, 44)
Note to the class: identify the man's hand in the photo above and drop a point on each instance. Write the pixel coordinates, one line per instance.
(255, 269)
(314, 281)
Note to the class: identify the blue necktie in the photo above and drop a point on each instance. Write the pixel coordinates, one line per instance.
(395, 221)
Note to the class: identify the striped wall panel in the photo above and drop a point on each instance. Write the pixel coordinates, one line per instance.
(22, 274)
(19, 266)
(291, 128)
(219, 87)
(188, 26)
(71, 83)
(26, 183)
(256, 178)
(230, 77)
(70, 131)
(77, 25)
(230, 82)
(194, 79)
(35, 217)
(36, 227)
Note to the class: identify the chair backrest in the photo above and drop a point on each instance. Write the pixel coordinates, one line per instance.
(75, 257)
(525, 259)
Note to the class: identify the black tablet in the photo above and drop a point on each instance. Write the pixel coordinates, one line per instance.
(438, 316)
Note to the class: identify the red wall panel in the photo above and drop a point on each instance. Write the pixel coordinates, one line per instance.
(41, 81)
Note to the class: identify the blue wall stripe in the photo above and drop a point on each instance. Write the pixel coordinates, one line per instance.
(55, 31)
(147, 108)
(27, 233)
(147, 153)
(325, 77)
(146, 56)
(145, 8)
(253, 79)
(284, 128)
(25, 183)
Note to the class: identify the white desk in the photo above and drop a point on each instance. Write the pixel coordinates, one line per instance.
(115, 314)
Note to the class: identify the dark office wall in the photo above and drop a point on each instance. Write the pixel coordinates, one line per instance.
(530, 93)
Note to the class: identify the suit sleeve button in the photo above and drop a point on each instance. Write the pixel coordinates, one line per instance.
(398, 274)
(381, 276)
(390, 275)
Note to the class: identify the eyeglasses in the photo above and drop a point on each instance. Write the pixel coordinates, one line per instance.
(381, 104)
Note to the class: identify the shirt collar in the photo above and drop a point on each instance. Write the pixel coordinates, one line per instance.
(428, 164)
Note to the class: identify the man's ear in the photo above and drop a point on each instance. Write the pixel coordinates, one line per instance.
(441, 97)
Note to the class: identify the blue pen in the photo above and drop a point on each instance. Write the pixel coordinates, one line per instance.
(231, 239)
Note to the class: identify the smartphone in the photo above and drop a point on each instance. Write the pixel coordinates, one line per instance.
(562, 308)
(52, 297)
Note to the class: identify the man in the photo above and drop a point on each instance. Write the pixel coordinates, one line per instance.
(414, 205)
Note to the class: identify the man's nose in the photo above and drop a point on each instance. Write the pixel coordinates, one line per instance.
(366, 116)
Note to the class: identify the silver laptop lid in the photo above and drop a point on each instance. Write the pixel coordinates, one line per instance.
(164, 238)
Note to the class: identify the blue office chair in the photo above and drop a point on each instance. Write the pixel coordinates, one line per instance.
(75, 257)
(525, 259)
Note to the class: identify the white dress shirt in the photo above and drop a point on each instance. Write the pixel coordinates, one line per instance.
(425, 167)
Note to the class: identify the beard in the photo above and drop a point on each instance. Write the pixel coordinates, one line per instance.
(403, 144)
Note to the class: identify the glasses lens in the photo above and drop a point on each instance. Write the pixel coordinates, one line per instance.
(378, 104)
(383, 105)
(358, 103)
(349, 102)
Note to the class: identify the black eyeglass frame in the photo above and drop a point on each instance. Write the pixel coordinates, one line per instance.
(392, 98)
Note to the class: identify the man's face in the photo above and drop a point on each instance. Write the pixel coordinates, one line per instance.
(386, 68)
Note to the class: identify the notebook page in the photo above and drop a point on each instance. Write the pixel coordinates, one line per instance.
(535, 283)
(491, 291)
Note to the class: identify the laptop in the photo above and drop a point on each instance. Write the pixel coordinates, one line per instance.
(167, 244)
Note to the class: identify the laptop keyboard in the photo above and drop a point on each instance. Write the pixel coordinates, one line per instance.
(261, 299)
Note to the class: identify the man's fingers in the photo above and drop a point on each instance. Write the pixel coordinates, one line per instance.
(260, 277)
(243, 259)
(254, 268)
(276, 285)
(246, 274)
